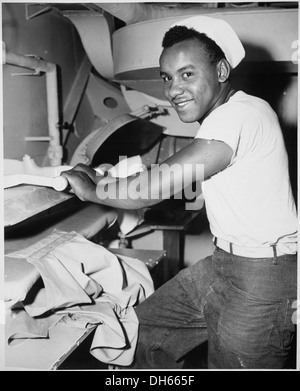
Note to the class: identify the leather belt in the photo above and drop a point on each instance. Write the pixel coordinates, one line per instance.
(251, 252)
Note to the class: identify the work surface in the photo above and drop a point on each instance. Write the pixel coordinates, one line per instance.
(24, 202)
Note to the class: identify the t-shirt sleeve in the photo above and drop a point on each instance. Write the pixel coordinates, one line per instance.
(223, 124)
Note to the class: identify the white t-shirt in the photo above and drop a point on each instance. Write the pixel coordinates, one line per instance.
(250, 203)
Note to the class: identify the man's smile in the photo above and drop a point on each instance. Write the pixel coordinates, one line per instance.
(182, 104)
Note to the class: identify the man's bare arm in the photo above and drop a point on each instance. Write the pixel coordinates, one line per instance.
(213, 155)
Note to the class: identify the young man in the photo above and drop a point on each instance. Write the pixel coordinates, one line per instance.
(240, 298)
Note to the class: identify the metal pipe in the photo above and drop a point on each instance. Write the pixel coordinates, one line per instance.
(55, 151)
(27, 62)
(138, 12)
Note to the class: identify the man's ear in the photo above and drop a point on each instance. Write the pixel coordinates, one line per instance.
(223, 68)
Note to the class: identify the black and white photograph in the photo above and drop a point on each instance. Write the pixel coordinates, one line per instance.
(149, 197)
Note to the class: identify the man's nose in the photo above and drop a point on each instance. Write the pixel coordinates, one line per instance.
(175, 90)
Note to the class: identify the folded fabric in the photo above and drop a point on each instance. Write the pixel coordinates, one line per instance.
(81, 277)
(20, 277)
(21, 326)
(110, 344)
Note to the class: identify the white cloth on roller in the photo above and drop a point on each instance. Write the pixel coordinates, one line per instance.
(85, 282)
(127, 219)
(219, 31)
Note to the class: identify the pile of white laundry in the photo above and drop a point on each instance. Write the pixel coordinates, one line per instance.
(83, 285)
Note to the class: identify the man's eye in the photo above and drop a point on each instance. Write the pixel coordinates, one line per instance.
(186, 75)
(166, 78)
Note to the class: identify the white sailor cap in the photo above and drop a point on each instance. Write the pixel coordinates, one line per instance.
(219, 31)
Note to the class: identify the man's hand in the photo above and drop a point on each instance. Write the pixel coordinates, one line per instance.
(88, 170)
(82, 180)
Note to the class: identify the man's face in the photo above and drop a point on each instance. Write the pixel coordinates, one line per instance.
(191, 83)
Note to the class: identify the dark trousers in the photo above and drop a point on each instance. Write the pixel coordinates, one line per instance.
(241, 306)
